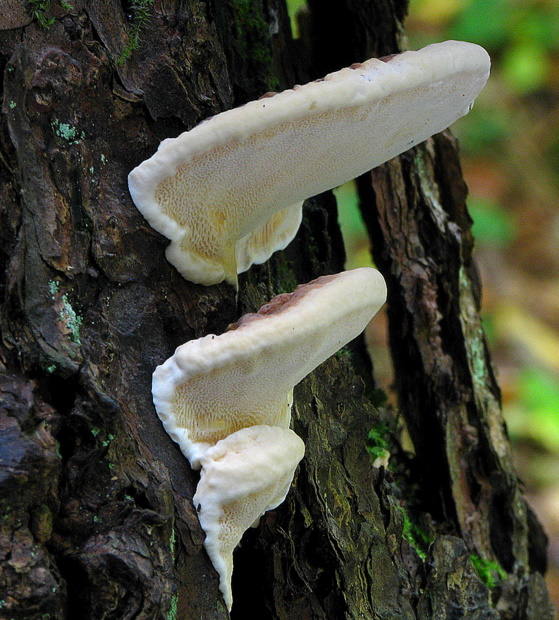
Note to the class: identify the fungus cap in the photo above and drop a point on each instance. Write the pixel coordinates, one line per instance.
(229, 192)
(242, 477)
(216, 385)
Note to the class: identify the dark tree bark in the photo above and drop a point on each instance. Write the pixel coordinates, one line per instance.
(97, 521)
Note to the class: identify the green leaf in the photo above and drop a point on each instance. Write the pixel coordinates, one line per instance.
(535, 415)
(526, 67)
(483, 22)
(356, 239)
(493, 225)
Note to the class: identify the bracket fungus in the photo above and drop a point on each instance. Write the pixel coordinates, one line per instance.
(229, 192)
(226, 400)
(216, 385)
(243, 476)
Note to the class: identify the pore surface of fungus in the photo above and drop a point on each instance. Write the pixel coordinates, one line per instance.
(242, 477)
(228, 193)
(216, 385)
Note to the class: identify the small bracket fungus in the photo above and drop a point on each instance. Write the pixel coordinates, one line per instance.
(242, 477)
(216, 385)
(228, 193)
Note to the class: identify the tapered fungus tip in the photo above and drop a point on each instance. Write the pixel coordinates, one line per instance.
(242, 477)
(240, 177)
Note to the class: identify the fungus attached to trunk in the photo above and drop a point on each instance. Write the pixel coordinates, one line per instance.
(243, 476)
(226, 400)
(216, 385)
(229, 192)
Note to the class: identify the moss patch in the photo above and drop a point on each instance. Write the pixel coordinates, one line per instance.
(139, 14)
(489, 571)
(414, 535)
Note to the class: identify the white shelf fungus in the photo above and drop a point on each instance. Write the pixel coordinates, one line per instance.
(216, 385)
(243, 476)
(226, 400)
(228, 193)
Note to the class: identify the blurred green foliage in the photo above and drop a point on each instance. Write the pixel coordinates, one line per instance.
(538, 395)
(293, 7)
(517, 113)
(522, 37)
(484, 130)
(356, 240)
(492, 224)
(523, 34)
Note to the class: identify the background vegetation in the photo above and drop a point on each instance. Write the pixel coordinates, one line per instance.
(510, 154)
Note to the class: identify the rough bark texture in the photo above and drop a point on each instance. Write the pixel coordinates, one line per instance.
(97, 521)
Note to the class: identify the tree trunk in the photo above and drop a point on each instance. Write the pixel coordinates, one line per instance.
(97, 520)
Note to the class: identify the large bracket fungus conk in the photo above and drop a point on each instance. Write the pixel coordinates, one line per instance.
(226, 400)
(228, 193)
(216, 385)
